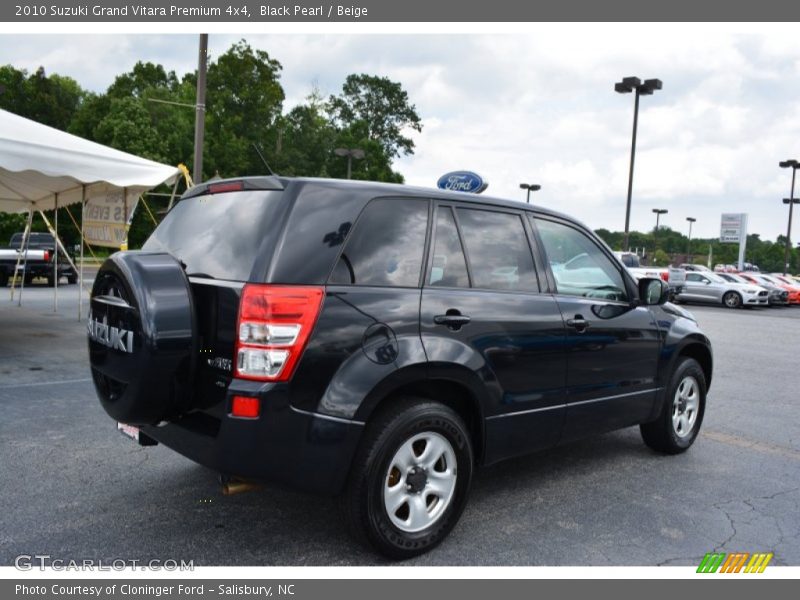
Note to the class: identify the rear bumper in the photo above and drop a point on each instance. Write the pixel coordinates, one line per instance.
(306, 451)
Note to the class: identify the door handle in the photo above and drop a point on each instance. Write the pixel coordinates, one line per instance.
(578, 323)
(454, 320)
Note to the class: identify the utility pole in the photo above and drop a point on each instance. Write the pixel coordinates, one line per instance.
(200, 109)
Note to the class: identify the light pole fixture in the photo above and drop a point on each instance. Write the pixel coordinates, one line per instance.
(531, 187)
(791, 201)
(626, 86)
(350, 153)
(689, 243)
(658, 212)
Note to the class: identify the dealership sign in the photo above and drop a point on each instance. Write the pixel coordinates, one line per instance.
(733, 228)
(462, 181)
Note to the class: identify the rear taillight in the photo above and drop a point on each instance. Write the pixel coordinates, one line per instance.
(47, 256)
(665, 275)
(274, 325)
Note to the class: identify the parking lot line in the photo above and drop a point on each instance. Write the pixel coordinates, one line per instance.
(21, 385)
(751, 444)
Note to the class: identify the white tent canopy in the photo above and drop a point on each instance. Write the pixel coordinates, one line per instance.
(37, 162)
(42, 168)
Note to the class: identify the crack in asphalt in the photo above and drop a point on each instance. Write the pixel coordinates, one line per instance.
(753, 509)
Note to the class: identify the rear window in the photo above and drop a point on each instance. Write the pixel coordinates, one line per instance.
(34, 239)
(216, 235)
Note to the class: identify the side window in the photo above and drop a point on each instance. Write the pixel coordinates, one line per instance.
(692, 277)
(498, 250)
(386, 246)
(578, 265)
(448, 266)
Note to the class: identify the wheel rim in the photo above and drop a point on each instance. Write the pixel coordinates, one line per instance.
(685, 406)
(420, 482)
(732, 300)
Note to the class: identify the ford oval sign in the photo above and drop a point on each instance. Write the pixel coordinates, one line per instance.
(462, 181)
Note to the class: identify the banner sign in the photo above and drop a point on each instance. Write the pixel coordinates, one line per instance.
(107, 215)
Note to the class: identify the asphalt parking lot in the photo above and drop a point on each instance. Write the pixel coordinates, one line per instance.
(74, 488)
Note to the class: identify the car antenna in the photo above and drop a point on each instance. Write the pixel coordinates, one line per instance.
(264, 160)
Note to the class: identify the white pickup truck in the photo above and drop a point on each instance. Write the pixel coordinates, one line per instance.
(674, 276)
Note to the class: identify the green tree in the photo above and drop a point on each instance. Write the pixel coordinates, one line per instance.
(10, 223)
(304, 142)
(13, 90)
(141, 80)
(127, 126)
(382, 106)
(244, 102)
(51, 100)
(661, 258)
(376, 164)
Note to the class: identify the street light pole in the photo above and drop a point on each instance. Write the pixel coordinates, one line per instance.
(689, 243)
(658, 212)
(531, 187)
(791, 201)
(626, 86)
(350, 153)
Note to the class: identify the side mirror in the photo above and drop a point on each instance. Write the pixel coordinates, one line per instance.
(653, 291)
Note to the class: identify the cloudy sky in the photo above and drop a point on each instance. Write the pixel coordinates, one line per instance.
(537, 104)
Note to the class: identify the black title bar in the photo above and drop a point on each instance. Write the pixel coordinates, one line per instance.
(453, 11)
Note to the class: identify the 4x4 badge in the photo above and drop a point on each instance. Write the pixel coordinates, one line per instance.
(113, 337)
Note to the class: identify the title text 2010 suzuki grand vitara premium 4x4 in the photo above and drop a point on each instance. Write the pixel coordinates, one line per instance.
(381, 341)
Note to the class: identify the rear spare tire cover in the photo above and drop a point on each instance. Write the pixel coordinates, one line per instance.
(142, 340)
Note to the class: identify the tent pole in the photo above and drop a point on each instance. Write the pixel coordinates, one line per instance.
(24, 252)
(80, 282)
(124, 245)
(58, 241)
(172, 196)
(55, 257)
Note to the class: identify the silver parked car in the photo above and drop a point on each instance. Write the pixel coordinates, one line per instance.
(777, 295)
(711, 288)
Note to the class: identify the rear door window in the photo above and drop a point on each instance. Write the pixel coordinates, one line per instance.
(498, 250)
(386, 245)
(217, 235)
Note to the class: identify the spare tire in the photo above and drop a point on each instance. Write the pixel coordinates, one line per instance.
(142, 340)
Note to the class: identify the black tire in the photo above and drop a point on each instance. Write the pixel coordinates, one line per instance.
(3, 278)
(662, 435)
(51, 281)
(731, 300)
(372, 470)
(72, 278)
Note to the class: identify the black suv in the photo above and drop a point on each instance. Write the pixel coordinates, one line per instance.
(380, 341)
